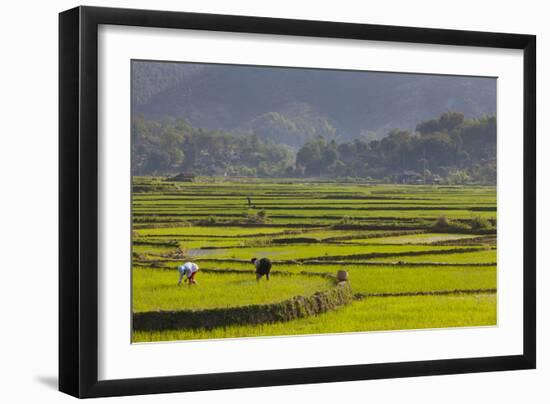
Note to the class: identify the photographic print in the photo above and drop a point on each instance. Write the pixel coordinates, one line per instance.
(271, 201)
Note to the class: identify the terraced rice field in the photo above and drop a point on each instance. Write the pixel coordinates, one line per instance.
(406, 270)
(154, 290)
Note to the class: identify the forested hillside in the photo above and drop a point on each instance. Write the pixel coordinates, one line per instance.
(449, 149)
(169, 146)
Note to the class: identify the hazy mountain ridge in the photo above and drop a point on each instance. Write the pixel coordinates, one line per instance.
(292, 105)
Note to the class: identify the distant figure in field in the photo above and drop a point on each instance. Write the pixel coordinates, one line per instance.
(249, 201)
(189, 271)
(263, 267)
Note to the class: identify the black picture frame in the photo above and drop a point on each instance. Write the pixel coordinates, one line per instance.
(78, 201)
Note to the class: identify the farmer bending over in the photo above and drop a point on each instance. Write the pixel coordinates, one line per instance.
(188, 270)
(263, 266)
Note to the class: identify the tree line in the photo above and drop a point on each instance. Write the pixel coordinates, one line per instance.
(171, 146)
(449, 149)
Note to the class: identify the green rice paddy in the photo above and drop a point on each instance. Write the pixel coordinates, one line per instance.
(369, 314)
(156, 290)
(384, 236)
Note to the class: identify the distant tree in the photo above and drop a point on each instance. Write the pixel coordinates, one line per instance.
(446, 123)
(450, 120)
(310, 156)
(458, 177)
